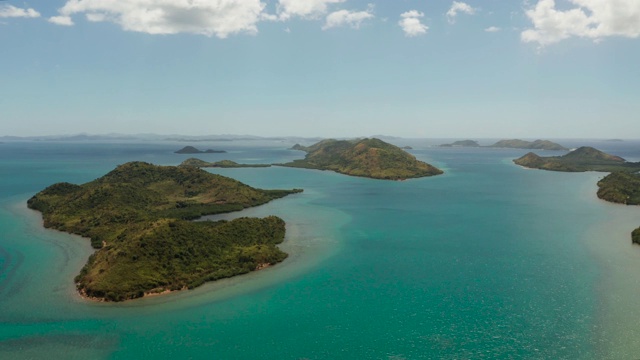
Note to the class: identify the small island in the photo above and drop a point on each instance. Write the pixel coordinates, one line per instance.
(137, 216)
(462, 143)
(523, 144)
(193, 150)
(582, 159)
(219, 164)
(372, 158)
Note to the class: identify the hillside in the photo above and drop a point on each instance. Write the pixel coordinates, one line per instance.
(523, 144)
(582, 159)
(372, 158)
(620, 187)
(137, 216)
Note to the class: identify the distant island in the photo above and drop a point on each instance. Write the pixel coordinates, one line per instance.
(523, 144)
(372, 158)
(622, 186)
(407, 148)
(462, 143)
(193, 150)
(582, 159)
(138, 217)
(219, 164)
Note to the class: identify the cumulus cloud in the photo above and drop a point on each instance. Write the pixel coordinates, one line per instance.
(459, 7)
(10, 11)
(411, 25)
(61, 20)
(206, 17)
(304, 8)
(492, 29)
(593, 19)
(346, 17)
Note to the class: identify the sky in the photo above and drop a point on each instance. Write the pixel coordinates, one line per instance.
(327, 68)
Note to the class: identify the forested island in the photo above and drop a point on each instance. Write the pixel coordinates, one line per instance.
(372, 158)
(523, 144)
(219, 164)
(462, 143)
(582, 159)
(622, 186)
(193, 150)
(137, 216)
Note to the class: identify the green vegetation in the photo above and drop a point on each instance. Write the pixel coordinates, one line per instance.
(620, 187)
(462, 143)
(582, 159)
(219, 164)
(635, 236)
(372, 158)
(193, 150)
(522, 144)
(137, 216)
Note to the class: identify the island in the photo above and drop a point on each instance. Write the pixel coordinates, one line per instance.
(622, 186)
(193, 150)
(523, 144)
(138, 217)
(584, 158)
(372, 158)
(462, 143)
(219, 164)
(407, 148)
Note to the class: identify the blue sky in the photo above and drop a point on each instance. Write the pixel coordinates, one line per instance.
(331, 68)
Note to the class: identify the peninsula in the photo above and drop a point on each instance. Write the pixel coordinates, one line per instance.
(193, 150)
(137, 216)
(372, 158)
(582, 159)
(219, 164)
(523, 144)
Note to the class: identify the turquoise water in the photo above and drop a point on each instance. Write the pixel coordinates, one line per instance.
(487, 261)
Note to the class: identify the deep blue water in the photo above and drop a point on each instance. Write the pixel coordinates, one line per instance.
(487, 261)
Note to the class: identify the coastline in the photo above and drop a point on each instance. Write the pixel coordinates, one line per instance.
(617, 334)
(305, 245)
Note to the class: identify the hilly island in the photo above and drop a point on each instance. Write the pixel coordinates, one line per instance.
(372, 158)
(219, 164)
(582, 159)
(138, 217)
(523, 144)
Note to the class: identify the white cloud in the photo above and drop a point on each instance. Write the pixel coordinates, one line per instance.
(304, 8)
(593, 19)
(459, 7)
(61, 20)
(346, 17)
(411, 25)
(10, 11)
(492, 29)
(207, 17)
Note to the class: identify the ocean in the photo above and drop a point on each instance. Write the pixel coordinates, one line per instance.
(488, 261)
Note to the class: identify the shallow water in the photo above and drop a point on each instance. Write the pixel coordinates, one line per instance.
(487, 261)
